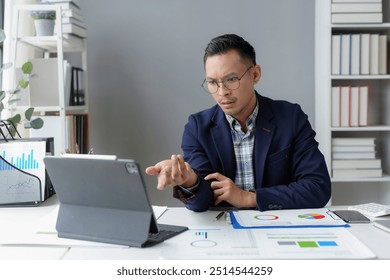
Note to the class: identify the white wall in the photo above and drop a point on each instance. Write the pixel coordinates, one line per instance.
(145, 67)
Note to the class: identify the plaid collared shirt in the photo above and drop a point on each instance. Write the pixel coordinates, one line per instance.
(243, 148)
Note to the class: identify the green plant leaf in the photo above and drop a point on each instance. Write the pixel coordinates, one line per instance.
(12, 101)
(1, 106)
(23, 83)
(15, 119)
(29, 112)
(14, 91)
(36, 123)
(12, 131)
(27, 67)
(2, 95)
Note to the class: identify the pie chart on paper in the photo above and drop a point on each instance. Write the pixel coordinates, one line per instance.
(311, 216)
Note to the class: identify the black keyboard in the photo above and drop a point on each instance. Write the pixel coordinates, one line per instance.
(162, 235)
(165, 232)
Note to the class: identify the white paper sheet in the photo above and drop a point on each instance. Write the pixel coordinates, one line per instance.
(283, 243)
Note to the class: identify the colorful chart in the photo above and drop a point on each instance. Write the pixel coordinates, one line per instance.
(311, 216)
(266, 217)
(309, 244)
(203, 242)
(201, 233)
(24, 161)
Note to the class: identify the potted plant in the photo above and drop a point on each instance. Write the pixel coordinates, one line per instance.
(13, 97)
(44, 22)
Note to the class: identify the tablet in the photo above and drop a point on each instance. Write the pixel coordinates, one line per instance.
(352, 216)
(383, 224)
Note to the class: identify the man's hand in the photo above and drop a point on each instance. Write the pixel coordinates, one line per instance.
(172, 172)
(225, 190)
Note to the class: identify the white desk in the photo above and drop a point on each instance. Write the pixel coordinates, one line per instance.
(19, 223)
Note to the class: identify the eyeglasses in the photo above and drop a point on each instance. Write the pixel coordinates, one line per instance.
(230, 83)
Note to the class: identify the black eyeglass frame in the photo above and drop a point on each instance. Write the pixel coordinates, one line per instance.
(204, 85)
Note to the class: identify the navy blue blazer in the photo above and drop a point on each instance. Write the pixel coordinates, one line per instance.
(290, 171)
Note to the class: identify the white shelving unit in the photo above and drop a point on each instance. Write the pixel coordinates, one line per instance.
(352, 190)
(56, 45)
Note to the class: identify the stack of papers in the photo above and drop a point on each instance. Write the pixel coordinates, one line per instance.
(285, 218)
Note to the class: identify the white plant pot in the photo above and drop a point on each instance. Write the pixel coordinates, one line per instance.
(44, 27)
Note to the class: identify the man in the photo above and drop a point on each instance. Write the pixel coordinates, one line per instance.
(248, 151)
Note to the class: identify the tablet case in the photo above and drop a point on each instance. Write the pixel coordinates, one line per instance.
(101, 200)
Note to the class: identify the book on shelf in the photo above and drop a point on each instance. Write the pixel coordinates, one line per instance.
(77, 91)
(73, 20)
(353, 141)
(77, 133)
(356, 163)
(359, 54)
(67, 81)
(345, 54)
(353, 155)
(70, 28)
(353, 148)
(363, 105)
(67, 5)
(365, 54)
(353, 7)
(72, 14)
(355, 55)
(336, 54)
(75, 2)
(382, 57)
(354, 106)
(357, 18)
(349, 106)
(335, 119)
(374, 54)
(345, 106)
(357, 173)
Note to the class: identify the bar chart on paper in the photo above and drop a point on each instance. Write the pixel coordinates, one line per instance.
(24, 161)
(270, 243)
(23, 155)
(26, 156)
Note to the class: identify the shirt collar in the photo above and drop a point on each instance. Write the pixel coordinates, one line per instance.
(250, 122)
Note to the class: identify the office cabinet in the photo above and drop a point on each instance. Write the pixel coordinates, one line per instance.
(334, 66)
(59, 91)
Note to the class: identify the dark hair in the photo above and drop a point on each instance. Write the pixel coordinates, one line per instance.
(227, 42)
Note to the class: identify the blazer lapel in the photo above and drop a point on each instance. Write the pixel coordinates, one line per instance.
(222, 139)
(263, 137)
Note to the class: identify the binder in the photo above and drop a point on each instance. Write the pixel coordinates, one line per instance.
(77, 92)
(23, 177)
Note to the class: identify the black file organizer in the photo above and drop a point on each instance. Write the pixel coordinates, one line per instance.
(18, 187)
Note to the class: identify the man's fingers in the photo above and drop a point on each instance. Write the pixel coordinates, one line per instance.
(181, 170)
(173, 171)
(181, 163)
(217, 200)
(152, 170)
(215, 176)
(175, 167)
(216, 185)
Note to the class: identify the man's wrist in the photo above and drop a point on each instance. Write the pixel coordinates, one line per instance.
(251, 199)
(192, 189)
(192, 182)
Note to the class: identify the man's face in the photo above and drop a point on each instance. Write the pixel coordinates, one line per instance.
(239, 102)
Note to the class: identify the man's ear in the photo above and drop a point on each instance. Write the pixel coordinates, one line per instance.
(256, 73)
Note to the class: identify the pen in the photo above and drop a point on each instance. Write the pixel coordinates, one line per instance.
(219, 216)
